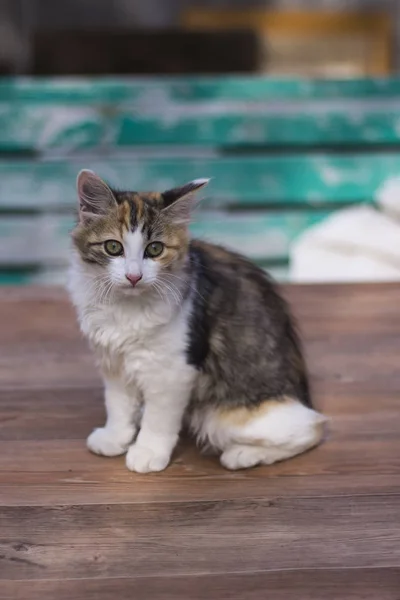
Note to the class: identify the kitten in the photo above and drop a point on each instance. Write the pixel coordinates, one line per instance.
(185, 332)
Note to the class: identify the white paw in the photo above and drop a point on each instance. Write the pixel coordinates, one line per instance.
(146, 460)
(242, 457)
(109, 443)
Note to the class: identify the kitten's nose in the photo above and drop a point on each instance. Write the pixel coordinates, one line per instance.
(133, 279)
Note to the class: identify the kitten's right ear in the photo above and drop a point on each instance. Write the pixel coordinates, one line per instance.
(95, 197)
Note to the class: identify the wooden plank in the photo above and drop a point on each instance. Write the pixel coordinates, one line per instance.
(34, 126)
(60, 414)
(330, 584)
(41, 114)
(39, 239)
(226, 124)
(15, 277)
(317, 179)
(51, 472)
(38, 275)
(38, 127)
(84, 487)
(207, 537)
(325, 524)
(255, 88)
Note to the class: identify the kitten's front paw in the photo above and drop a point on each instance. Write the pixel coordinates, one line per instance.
(109, 443)
(145, 460)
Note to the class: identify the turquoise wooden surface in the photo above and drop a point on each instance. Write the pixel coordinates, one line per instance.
(68, 114)
(157, 133)
(66, 128)
(329, 127)
(41, 127)
(93, 89)
(313, 179)
(41, 275)
(16, 278)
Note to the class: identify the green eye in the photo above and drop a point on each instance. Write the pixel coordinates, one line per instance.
(113, 248)
(154, 249)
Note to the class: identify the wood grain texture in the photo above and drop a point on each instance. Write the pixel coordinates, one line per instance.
(100, 90)
(187, 538)
(331, 584)
(315, 179)
(325, 524)
(27, 127)
(38, 115)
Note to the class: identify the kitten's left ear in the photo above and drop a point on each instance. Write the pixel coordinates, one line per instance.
(95, 196)
(179, 202)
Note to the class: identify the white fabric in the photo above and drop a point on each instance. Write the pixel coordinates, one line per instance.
(357, 244)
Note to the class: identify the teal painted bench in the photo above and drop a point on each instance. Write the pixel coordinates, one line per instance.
(282, 155)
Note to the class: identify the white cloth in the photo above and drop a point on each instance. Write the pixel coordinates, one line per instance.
(356, 244)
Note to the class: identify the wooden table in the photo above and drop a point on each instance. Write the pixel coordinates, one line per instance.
(325, 525)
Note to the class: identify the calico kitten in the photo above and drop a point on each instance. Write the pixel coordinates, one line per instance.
(185, 332)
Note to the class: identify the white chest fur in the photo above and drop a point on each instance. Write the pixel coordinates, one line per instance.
(135, 339)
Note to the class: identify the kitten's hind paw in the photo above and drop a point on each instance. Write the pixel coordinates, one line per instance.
(243, 457)
(109, 443)
(145, 460)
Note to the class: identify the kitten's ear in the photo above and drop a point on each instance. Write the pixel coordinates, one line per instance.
(95, 197)
(179, 202)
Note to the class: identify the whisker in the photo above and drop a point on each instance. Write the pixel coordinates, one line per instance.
(185, 281)
(160, 291)
(109, 290)
(176, 294)
(175, 291)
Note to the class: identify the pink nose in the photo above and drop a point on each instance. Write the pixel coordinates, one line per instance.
(133, 279)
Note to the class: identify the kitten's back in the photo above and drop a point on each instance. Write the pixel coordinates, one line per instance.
(242, 328)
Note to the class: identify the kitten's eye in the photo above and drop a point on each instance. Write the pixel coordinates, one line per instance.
(154, 249)
(113, 248)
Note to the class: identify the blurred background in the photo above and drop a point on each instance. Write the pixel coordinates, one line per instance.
(292, 107)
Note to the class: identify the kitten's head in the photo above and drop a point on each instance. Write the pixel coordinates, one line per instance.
(132, 241)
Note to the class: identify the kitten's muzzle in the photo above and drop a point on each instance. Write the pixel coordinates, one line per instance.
(133, 279)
